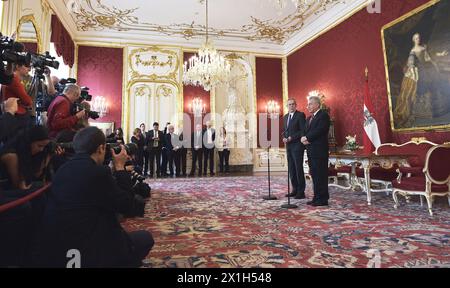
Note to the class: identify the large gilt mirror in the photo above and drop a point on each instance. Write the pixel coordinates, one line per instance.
(28, 33)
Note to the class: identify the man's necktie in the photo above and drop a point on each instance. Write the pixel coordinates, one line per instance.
(289, 120)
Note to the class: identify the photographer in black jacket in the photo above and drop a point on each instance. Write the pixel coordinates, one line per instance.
(82, 210)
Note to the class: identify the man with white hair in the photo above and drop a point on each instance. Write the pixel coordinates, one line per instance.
(59, 112)
(316, 141)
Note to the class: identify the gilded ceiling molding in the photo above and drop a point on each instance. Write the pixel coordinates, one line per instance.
(97, 17)
(136, 59)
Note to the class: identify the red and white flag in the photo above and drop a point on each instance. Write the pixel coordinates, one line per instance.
(371, 137)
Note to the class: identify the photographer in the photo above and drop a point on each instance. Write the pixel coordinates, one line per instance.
(8, 122)
(25, 158)
(59, 112)
(83, 206)
(17, 90)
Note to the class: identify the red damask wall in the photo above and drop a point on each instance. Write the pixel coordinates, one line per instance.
(269, 86)
(101, 69)
(334, 63)
(190, 92)
(30, 47)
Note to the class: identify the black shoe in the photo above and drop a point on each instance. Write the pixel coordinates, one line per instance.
(300, 196)
(310, 202)
(212, 174)
(316, 204)
(292, 194)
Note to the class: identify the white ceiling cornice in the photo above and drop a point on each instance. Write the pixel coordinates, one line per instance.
(327, 21)
(112, 30)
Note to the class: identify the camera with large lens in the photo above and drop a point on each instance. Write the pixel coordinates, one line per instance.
(41, 61)
(78, 106)
(11, 51)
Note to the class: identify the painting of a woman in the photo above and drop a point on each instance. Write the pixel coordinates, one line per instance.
(417, 63)
(417, 87)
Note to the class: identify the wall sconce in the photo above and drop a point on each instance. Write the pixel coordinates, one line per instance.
(273, 109)
(197, 107)
(100, 105)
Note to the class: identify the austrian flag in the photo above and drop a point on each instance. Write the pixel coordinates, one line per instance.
(371, 137)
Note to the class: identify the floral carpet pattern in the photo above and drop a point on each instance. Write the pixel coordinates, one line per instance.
(224, 222)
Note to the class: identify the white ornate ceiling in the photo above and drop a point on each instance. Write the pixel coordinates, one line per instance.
(244, 25)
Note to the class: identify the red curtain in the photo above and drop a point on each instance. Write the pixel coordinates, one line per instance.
(64, 45)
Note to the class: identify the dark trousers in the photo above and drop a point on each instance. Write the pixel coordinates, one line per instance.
(197, 156)
(168, 158)
(155, 156)
(295, 162)
(142, 242)
(319, 174)
(208, 155)
(182, 161)
(164, 162)
(145, 156)
(224, 157)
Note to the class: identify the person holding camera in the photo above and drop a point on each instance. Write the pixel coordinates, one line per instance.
(17, 90)
(60, 111)
(154, 143)
(82, 210)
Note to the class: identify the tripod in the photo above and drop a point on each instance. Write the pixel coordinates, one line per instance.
(38, 92)
(269, 197)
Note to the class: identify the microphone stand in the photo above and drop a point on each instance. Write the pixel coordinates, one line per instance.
(289, 205)
(269, 197)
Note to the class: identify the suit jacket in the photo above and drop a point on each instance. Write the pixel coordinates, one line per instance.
(81, 213)
(296, 129)
(171, 142)
(317, 135)
(196, 141)
(213, 137)
(149, 141)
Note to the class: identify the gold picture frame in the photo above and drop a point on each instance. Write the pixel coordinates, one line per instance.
(417, 74)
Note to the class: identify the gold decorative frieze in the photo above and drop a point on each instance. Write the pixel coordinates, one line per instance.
(93, 15)
(153, 63)
(164, 90)
(142, 91)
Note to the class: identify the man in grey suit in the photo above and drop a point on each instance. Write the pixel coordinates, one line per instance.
(294, 129)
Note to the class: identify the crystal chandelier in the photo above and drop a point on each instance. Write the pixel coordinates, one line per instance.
(100, 105)
(197, 107)
(208, 68)
(273, 109)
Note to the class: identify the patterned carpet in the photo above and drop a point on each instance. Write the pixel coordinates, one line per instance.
(223, 222)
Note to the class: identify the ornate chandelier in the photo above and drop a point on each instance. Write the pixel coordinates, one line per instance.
(273, 109)
(197, 107)
(208, 68)
(100, 105)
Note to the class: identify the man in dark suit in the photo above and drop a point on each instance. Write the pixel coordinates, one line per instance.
(164, 160)
(154, 145)
(316, 141)
(208, 154)
(181, 155)
(294, 129)
(197, 149)
(82, 208)
(171, 145)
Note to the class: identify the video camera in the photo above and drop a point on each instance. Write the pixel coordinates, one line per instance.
(41, 61)
(13, 52)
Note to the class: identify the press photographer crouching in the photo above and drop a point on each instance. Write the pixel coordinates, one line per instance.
(23, 170)
(82, 210)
